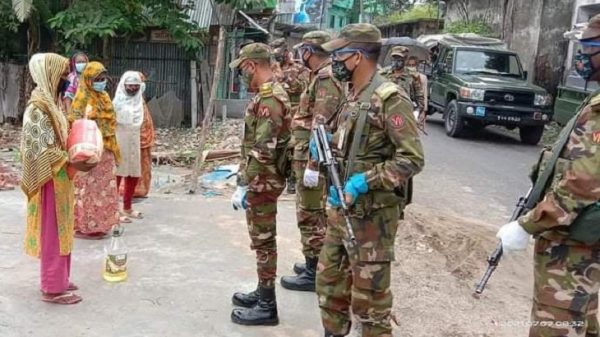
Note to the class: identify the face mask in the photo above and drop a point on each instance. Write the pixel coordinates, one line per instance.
(79, 66)
(99, 86)
(132, 92)
(584, 66)
(413, 69)
(340, 71)
(397, 64)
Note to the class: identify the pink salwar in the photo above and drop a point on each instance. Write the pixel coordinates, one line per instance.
(55, 269)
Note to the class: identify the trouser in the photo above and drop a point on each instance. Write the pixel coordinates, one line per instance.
(261, 218)
(566, 283)
(54, 268)
(310, 212)
(128, 191)
(358, 277)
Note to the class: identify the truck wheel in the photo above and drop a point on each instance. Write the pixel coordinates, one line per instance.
(531, 135)
(453, 123)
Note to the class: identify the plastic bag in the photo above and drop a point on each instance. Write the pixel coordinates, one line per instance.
(85, 142)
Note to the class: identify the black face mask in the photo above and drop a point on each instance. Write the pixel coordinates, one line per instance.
(340, 71)
(279, 58)
(397, 64)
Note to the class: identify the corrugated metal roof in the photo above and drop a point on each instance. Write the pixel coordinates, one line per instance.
(204, 15)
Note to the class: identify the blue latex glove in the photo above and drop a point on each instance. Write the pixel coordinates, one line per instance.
(356, 185)
(238, 199)
(333, 199)
(312, 146)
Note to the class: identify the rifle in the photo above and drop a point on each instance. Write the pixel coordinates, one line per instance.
(326, 158)
(494, 259)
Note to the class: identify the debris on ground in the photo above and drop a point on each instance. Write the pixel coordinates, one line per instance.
(10, 163)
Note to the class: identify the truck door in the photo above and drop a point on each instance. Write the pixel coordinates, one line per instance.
(443, 66)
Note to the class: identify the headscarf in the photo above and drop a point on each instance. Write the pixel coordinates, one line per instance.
(45, 128)
(130, 109)
(97, 106)
(73, 78)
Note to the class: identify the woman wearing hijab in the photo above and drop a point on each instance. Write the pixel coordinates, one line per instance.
(146, 144)
(76, 66)
(45, 182)
(129, 106)
(97, 200)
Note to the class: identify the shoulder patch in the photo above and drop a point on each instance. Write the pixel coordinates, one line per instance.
(263, 111)
(386, 90)
(396, 121)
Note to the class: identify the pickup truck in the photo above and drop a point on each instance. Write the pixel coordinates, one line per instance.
(479, 84)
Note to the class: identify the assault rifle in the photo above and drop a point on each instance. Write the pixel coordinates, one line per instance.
(326, 158)
(494, 259)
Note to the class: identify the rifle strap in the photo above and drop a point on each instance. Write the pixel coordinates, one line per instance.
(542, 181)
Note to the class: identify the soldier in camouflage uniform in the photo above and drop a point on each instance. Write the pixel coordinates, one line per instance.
(294, 77)
(318, 105)
(388, 152)
(567, 271)
(409, 80)
(261, 179)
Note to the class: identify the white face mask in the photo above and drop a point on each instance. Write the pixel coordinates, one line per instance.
(80, 66)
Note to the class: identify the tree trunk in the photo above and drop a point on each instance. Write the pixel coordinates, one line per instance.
(206, 122)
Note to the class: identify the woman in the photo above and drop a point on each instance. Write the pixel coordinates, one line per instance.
(129, 106)
(45, 182)
(146, 143)
(97, 200)
(77, 64)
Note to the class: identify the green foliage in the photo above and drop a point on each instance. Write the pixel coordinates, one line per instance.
(477, 26)
(9, 26)
(89, 20)
(426, 11)
(247, 4)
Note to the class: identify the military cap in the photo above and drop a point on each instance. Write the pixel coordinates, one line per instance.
(314, 38)
(401, 51)
(278, 46)
(355, 33)
(253, 51)
(592, 31)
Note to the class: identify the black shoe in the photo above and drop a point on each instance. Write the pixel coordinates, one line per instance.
(246, 300)
(263, 313)
(299, 268)
(304, 281)
(291, 185)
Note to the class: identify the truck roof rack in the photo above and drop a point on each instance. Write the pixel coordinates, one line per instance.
(466, 39)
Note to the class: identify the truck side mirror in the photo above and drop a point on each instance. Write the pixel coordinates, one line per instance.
(525, 74)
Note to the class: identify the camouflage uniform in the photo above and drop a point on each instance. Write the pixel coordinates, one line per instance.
(318, 105)
(408, 80)
(358, 276)
(567, 272)
(265, 141)
(292, 75)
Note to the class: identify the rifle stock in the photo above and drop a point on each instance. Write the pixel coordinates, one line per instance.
(495, 257)
(326, 158)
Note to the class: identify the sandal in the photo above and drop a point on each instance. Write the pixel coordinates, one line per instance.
(72, 287)
(133, 214)
(67, 298)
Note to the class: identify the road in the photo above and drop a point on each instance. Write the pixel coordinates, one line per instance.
(191, 253)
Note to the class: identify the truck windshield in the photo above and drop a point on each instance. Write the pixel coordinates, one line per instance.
(487, 62)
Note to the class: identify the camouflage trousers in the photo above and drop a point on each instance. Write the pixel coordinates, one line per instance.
(567, 279)
(310, 212)
(261, 219)
(357, 278)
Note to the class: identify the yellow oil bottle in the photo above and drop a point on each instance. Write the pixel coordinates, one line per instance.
(115, 260)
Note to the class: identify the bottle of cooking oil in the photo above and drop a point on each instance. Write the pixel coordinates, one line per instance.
(115, 261)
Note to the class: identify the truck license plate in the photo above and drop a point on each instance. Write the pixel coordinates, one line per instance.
(509, 118)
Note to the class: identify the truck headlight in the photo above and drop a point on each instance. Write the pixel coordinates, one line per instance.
(472, 94)
(542, 100)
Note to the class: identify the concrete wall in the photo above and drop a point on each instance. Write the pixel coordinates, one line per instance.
(412, 28)
(532, 28)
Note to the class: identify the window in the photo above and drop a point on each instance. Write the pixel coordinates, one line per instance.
(487, 63)
(341, 21)
(332, 22)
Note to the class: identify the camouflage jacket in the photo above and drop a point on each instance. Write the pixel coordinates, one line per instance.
(390, 151)
(318, 104)
(575, 183)
(410, 82)
(266, 133)
(294, 77)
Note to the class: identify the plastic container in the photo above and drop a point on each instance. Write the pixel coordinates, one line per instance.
(115, 260)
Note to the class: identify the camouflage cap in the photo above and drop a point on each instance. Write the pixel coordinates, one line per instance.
(278, 46)
(253, 51)
(592, 31)
(354, 33)
(314, 38)
(401, 51)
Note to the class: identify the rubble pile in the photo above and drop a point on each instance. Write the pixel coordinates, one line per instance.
(10, 137)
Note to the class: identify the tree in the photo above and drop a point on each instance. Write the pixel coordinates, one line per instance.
(36, 13)
(243, 4)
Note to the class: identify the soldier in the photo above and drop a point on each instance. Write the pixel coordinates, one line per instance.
(377, 145)
(318, 105)
(261, 179)
(409, 80)
(294, 77)
(567, 270)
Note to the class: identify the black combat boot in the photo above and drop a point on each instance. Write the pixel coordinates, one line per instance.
(299, 268)
(304, 281)
(246, 300)
(263, 313)
(291, 184)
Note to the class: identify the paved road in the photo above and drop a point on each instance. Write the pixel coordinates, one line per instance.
(479, 176)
